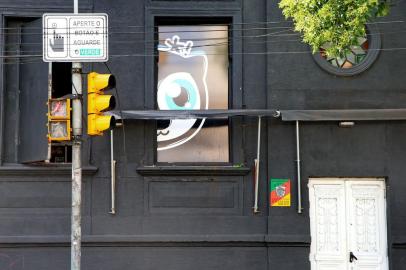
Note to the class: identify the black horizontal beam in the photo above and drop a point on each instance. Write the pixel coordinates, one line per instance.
(344, 115)
(286, 115)
(190, 114)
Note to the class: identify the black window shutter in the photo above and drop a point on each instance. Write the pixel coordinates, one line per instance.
(33, 145)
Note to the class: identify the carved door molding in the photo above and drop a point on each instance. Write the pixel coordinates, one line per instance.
(348, 223)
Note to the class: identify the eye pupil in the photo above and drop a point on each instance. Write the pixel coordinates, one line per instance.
(183, 99)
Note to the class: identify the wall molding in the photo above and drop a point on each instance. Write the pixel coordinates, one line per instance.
(192, 170)
(45, 170)
(235, 240)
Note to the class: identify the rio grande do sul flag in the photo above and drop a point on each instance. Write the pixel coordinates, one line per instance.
(279, 192)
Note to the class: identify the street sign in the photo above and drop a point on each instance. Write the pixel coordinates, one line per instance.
(75, 37)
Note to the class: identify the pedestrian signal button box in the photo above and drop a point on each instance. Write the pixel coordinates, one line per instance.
(59, 127)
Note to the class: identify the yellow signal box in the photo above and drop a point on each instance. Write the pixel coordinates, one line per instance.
(98, 102)
(59, 128)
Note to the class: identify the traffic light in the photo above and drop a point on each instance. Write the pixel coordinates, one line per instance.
(98, 102)
(59, 120)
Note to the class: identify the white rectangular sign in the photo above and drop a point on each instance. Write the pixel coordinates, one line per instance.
(79, 37)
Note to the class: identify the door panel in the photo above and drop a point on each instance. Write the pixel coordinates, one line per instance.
(327, 211)
(347, 216)
(367, 223)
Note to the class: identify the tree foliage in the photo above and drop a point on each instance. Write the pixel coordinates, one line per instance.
(337, 23)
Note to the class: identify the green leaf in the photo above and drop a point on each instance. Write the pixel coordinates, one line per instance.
(338, 23)
(383, 9)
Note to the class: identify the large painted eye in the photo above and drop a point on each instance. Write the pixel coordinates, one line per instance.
(178, 91)
(178, 86)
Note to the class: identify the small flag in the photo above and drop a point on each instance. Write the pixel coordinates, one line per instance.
(279, 192)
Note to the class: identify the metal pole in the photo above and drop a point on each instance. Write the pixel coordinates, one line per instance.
(49, 97)
(76, 6)
(113, 175)
(299, 195)
(257, 166)
(76, 233)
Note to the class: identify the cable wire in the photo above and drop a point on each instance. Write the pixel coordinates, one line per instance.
(230, 29)
(229, 38)
(230, 53)
(114, 24)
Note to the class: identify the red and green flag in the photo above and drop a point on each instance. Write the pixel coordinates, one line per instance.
(279, 192)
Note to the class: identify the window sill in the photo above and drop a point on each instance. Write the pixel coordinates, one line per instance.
(192, 170)
(43, 170)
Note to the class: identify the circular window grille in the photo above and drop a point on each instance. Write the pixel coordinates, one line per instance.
(359, 58)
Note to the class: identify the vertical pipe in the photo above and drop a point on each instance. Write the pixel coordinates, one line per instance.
(299, 195)
(76, 232)
(113, 175)
(257, 162)
(3, 40)
(49, 97)
(18, 100)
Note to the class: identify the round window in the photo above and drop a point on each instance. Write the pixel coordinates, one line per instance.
(359, 58)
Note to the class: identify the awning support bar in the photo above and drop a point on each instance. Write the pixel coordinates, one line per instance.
(299, 195)
(113, 175)
(257, 162)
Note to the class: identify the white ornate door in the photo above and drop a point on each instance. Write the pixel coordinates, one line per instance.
(348, 224)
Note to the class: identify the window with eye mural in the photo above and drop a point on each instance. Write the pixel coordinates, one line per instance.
(193, 75)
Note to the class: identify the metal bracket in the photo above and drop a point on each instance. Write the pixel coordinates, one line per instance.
(72, 96)
(76, 96)
(277, 114)
(76, 70)
(77, 138)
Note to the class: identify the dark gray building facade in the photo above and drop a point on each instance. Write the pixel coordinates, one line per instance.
(192, 208)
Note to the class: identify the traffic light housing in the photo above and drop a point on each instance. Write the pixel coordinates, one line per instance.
(98, 102)
(59, 128)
